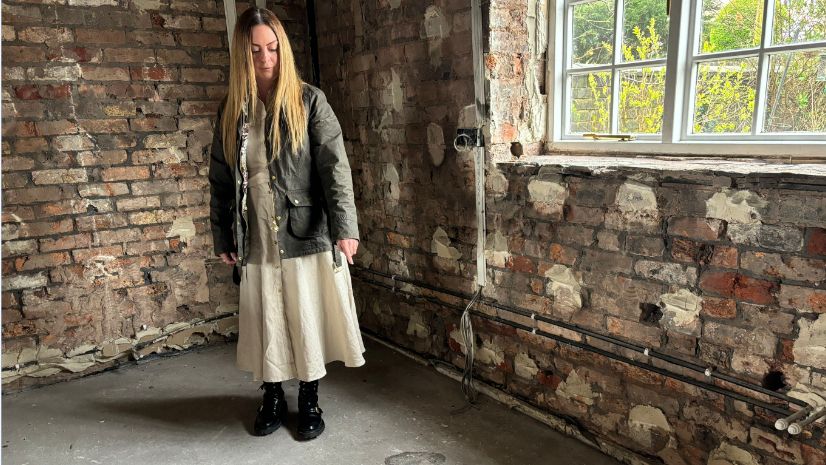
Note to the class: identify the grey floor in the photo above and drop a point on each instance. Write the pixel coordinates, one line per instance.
(197, 408)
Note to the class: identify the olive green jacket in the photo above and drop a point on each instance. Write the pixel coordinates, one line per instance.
(312, 190)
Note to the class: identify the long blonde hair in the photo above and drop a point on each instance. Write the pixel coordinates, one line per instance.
(286, 97)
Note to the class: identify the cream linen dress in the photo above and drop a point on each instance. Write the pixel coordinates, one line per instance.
(296, 314)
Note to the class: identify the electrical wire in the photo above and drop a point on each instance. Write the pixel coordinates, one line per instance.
(466, 328)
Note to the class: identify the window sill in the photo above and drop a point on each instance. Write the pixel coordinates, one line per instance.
(603, 164)
(788, 151)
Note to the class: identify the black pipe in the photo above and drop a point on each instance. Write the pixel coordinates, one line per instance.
(610, 339)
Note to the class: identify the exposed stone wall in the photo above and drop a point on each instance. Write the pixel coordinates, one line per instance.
(108, 107)
(399, 76)
(726, 270)
(719, 268)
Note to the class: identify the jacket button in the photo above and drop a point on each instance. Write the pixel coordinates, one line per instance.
(282, 250)
(272, 177)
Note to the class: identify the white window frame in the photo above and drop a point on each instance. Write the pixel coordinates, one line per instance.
(679, 83)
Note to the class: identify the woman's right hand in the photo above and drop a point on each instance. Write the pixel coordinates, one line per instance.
(230, 258)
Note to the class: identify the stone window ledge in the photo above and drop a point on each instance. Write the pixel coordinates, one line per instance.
(678, 167)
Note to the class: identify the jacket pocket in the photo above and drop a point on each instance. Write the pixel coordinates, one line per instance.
(305, 214)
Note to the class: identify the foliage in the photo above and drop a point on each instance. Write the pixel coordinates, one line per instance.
(725, 89)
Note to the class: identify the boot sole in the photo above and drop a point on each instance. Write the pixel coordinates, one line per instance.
(267, 431)
(313, 434)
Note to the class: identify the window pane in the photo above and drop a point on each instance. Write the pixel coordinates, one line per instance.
(645, 30)
(641, 100)
(593, 33)
(796, 96)
(731, 25)
(590, 102)
(799, 21)
(724, 96)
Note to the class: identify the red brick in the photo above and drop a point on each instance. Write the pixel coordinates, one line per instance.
(82, 255)
(586, 215)
(199, 39)
(724, 257)
(99, 222)
(398, 240)
(98, 36)
(45, 91)
(520, 264)
(704, 229)
(175, 170)
(29, 145)
(138, 203)
(153, 124)
(119, 236)
(104, 126)
(78, 54)
(718, 282)
(199, 108)
(21, 54)
(74, 241)
(51, 128)
(154, 37)
(153, 73)
(201, 75)
(754, 290)
(688, 251)
(36, 262)
(812, 455)
(19, 129)
(125, 173)
(802, 298)
(128, 55)
(31, 195)
(633, 330)
(742, 287)
(719, 308)
(100, 73)
(46, 228)
(816, 245)
(787, 350)
(146, 247)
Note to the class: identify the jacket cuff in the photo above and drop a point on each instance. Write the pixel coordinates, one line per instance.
(222, 243)
(345, 227)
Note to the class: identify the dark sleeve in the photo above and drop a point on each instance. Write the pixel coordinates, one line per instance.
(330, 158)
(222, 194)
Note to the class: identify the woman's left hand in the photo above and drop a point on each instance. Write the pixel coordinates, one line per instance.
(348, 246)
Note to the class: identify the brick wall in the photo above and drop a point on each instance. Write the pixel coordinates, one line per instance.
(108, 108)
(400, 79)
(716, 267)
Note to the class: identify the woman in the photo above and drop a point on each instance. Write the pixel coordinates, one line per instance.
(282, 211)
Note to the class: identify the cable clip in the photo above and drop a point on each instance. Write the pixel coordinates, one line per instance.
(533, 317)
(646, 352)
(393, 280)
(708, 371)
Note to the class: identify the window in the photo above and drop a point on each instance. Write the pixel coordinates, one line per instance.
(711, 71)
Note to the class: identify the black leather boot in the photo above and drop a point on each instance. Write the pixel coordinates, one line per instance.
(310, 424)
(272, 411)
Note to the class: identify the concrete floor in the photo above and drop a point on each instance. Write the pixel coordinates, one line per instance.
(197, 408)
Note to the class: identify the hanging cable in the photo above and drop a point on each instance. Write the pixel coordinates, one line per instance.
(466, 328)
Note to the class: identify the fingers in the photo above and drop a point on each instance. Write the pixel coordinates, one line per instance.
(226, 258)
(348, 246)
